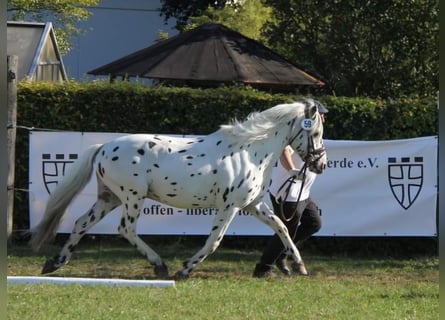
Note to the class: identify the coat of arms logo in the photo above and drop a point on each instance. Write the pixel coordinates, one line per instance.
(54, 168)
(405, 179)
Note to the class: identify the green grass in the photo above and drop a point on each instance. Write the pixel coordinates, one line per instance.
(221, 287)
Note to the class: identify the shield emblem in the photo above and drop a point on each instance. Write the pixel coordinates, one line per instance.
(405, 179)
(54, 168)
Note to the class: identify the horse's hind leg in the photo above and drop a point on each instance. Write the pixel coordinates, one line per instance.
(127, 229)
(220, 224)
(106, 202)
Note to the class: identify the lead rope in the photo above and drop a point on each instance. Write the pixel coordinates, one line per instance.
(289, 182)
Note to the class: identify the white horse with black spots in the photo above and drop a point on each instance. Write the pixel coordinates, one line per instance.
(229, 170)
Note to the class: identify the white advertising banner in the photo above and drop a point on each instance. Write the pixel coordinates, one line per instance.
(378, 188)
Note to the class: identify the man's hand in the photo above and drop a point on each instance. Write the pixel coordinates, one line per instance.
(296, 174)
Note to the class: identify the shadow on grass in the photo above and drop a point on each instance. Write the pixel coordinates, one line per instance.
(117, 248)
(111, 256)
(241, 248)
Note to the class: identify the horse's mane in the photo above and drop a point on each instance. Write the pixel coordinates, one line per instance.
(258, 124)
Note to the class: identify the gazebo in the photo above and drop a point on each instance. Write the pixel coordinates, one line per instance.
(210, 55)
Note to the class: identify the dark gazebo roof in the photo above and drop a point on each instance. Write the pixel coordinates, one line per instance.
(210, 53)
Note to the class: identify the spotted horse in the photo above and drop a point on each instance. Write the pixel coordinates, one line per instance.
(229, 170)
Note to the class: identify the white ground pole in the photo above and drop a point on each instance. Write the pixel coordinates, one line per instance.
(90, 281)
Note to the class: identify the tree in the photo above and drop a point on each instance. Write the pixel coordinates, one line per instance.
(183, 10)
(360, 47)
(62, 13)
(247, 17)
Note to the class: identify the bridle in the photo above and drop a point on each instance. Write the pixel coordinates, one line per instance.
(312, 155)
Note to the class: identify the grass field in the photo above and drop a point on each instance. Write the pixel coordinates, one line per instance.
(339, 287)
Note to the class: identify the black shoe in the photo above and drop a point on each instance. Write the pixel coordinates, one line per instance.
(282, 266)
(263, 271)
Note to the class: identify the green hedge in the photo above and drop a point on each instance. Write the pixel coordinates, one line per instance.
(127, 107)
(135, 108)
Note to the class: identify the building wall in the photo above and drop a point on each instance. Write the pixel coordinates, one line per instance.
(115, 29)
(22, 41)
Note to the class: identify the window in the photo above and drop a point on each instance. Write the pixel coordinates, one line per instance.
(48, 71)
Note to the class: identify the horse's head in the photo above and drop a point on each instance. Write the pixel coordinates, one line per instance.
(307, 138)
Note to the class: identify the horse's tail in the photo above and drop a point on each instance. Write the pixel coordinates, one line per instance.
(68, 188)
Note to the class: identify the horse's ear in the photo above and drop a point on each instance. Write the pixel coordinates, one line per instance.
(313, 111)
(311, 108)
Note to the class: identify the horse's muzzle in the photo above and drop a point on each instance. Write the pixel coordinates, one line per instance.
(318, 168)
(317, 161)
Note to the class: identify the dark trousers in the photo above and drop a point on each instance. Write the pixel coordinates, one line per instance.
(302, 220)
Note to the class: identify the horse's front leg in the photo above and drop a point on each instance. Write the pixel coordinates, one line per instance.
(265, 214)
(220, 224)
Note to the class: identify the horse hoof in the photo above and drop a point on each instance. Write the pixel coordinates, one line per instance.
(161, 271)
(181, 276)
(49, 266)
